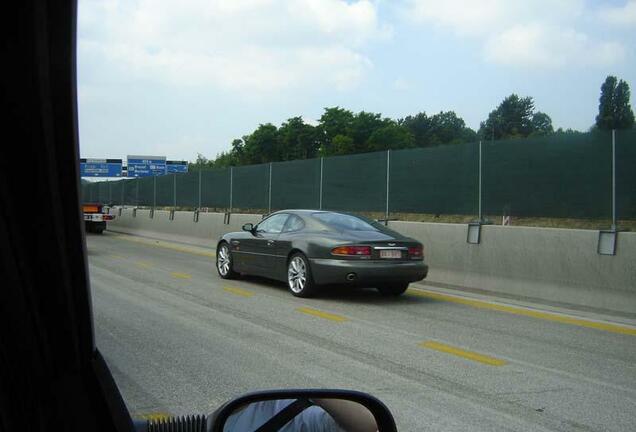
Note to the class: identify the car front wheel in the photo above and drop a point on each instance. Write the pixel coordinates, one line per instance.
(224, 262)
(393, 289)
(299, 278)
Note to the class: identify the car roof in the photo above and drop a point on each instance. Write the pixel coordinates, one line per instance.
(310, 212)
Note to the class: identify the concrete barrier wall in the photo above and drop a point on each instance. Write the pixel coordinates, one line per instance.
(182, 228)
(555, 265)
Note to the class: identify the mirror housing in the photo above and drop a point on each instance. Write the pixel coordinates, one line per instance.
(248, 227)
(361, 411)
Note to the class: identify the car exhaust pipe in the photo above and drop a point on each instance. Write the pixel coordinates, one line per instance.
(351, 277)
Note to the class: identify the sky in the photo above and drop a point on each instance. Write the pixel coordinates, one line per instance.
(178, 78)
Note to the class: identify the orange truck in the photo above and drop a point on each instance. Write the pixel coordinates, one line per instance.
(95, 217)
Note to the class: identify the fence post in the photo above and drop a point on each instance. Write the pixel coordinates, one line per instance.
(269, 189)
(174, 191)
(199, 206)
(231, 186)
(481, 216)
(388, 176)
(614, 224)
(320, 199)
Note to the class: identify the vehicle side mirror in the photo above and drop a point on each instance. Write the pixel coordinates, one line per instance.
(248, 227)
(296, 410)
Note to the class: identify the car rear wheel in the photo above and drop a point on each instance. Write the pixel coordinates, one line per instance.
(224, 262)
(393, 289)
(299, 278)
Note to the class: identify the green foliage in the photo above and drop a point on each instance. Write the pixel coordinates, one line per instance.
(200, 163)
(297, 140)
(261, 146)
(442, 128)
(391, 137)
(541, 124)
(515, 117)
(334, 121)
(614, 109)
(363, 125)
(341, 145)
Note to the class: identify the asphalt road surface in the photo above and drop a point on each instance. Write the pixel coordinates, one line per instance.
(180, 340)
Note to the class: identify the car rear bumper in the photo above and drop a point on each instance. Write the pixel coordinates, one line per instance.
(366, 273)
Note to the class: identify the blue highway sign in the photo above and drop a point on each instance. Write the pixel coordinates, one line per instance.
(177, 167)
(100, 167)
(146, 166)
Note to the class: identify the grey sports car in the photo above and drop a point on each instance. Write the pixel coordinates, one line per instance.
(310, 248)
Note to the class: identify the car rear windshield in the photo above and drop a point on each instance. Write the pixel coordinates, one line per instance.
(343, 222)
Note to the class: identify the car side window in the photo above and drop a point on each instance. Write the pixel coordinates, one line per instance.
(294, 223)
(273, 224)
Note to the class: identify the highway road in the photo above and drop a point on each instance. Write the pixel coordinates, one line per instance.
(180, 340)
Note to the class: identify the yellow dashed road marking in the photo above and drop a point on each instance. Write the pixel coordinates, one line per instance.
(143, 264)
(238, 291)
(179, 275)
(548, 316)
(470, 355)
(321, 314)
(167, 245)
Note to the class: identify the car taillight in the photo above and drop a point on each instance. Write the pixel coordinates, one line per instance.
(416, 251)
(352, 250)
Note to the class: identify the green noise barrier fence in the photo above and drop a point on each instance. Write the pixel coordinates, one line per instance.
(590, 175)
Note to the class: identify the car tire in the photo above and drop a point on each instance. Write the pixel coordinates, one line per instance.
(224, 262)
(393, 290)
(300, 281)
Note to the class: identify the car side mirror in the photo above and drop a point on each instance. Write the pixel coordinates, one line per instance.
(328, 410)
(248, 227)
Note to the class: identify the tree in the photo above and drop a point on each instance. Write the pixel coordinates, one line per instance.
(297, 140)
(614, 109)
(391, 137)
(225, 159)
(606, 104)
(442, 128)
(341, 145)
(418, 125)
(262, 145)
(200, 162)
(515, 118)
(363, 125)
(541, 124)
(624, 116)
(334, 121)
(447, 128)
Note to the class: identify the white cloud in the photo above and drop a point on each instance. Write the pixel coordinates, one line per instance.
(469, 17)
(621, 15)
(539, 45)
(245, 46)
(538, 33)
